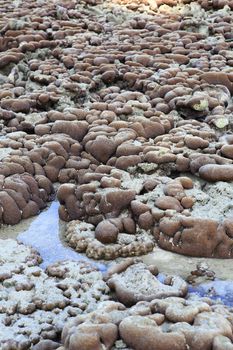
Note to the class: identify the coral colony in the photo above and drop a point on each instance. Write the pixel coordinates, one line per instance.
(120, 114)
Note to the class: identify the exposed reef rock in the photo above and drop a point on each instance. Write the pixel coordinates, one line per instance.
(171, 322)
(157, 323)
(81, 237)
(35, 304)
(90, 89)
(138, 283)
(73, 300)
(185, 216)
(22, 196)
(124, 107)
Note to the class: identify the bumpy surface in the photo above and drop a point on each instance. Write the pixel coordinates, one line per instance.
(185, 216)
(158, 324)
(70, 306)
(108, 98)
(126, 107)
(138, 283)
(82, 238)
(35, 304)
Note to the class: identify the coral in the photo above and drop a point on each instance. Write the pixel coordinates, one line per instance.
(170, 322)
(81, 237)
(146, 99)
(35, 304)
(138, 283)
(112, 102)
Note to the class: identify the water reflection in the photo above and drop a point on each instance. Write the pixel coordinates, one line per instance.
(43, 235)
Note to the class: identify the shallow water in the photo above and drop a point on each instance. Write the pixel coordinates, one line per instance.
(43, 234)
(216, 290)
(174, 264)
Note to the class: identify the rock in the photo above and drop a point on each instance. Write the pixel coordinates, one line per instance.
(215, 172)
(168, 202)
(46, 345)
(43, 300)
(139, 332)
(137, 283)
(106, 232)
(81, 237)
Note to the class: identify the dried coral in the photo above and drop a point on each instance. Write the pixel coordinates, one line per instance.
(171, 322)
(35, 304)
(115, 104)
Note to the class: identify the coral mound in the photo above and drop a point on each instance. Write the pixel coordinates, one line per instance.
(138, 283)
(35, 304)
(123, 110)
(110, 101)
(164, 324)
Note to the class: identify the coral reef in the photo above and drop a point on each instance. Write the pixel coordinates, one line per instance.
(138, 283)
(82, 237)
(171, 322)
(123, 110)
(35, 304)
(90, 89)
(108, 101)
(182, 215)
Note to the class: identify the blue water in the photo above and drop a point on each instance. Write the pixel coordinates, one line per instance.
(216, 290)
(43, 235)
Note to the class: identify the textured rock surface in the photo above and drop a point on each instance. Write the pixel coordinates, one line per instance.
(113, 102)
(126, 91)
(35, 304)
(74, 299)
(164, 323)
(81, 237)
(170, 322)
(138, 283)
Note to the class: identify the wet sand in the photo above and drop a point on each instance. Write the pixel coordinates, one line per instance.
(172, 263)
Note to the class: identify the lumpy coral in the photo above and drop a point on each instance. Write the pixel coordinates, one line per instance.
(35, 304)
(146, 99)
(124, 108)
(83, 238)
(138, 283)
(170, 322)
